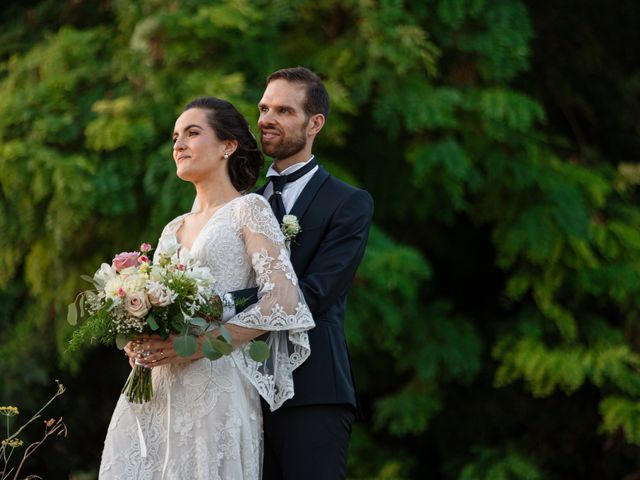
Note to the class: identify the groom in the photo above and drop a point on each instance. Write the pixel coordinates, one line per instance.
(308, 437)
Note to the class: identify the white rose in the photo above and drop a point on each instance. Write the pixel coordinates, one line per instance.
(105, 273)
(290, 227)
(290, 221)
(137, 304)
(159, 295)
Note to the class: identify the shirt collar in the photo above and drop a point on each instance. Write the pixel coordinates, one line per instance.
(296, 166)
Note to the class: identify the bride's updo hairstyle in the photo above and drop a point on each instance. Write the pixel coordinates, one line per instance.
(228, 124)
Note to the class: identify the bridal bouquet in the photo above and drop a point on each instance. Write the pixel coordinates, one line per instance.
(134, 296)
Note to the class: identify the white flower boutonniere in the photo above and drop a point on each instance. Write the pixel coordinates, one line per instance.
(290, 228)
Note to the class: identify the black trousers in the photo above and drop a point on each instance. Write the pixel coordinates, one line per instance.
(307, 442)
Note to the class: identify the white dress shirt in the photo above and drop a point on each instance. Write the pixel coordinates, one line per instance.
(291, 191)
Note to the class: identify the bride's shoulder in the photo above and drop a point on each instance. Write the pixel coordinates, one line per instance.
(174, 224)
(253, 209)
(253, 202)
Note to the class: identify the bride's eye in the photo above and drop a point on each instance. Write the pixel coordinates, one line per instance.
(193, 133)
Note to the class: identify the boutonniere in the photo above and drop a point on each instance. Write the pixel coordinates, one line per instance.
(290, 228)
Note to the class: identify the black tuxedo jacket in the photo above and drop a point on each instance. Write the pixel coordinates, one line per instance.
(334, 218)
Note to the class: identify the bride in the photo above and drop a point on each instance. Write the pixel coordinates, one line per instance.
(204, 420)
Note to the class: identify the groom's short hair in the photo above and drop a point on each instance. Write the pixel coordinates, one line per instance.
(317, 95)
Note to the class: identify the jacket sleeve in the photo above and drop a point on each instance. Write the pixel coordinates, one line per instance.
(335, 263)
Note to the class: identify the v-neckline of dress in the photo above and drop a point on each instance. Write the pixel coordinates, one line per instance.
(206, 224)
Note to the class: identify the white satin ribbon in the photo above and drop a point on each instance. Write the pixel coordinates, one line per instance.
(166, 455)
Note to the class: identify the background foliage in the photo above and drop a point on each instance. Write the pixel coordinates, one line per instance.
(495, 320)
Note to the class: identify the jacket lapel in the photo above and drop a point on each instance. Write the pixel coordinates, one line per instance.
(308, 193)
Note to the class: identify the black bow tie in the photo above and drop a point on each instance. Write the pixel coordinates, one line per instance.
(279, 181)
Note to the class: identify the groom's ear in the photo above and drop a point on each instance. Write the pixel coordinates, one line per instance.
(316, 122)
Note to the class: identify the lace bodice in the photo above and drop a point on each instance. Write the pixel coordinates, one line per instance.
(220, 245)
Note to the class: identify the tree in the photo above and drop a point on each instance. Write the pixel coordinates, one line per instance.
(496, 308)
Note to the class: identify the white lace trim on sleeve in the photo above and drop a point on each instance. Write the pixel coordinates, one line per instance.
(281, 310)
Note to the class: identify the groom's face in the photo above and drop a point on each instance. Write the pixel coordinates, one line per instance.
(283, 122)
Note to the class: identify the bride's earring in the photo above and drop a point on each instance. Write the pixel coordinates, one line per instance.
(226, 155)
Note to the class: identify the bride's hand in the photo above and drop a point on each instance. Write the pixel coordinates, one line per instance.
(129, 351)
(153, 352)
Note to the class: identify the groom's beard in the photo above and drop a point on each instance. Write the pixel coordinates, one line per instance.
(286, 147)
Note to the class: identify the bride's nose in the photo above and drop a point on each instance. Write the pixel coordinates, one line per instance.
(178, 145)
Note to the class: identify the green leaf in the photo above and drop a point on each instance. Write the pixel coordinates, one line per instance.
(110, 304)
(221, 346)
(121, 341)
(259, 351)
(81, 305)
(198, 322)
(151, 321)
(179, 326)
(209, 351)
(72, 314)
(87, 278)
(185, 345)
(225, 334)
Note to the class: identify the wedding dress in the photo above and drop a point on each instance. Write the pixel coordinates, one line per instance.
(204, 420)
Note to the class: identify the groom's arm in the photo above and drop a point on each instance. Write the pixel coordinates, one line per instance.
(333, 267)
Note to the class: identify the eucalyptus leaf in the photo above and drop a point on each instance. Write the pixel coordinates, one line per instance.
(121, 341)
(89, 279)
(81, 304)
(198, 322)
(151, 321)
(90, 296)
(185, 345)
(222, 346)
(72, 314)
(259, 351)
(178, 325)
(209, 351)
(225, 334)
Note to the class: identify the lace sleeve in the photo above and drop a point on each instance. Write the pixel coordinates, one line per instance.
(280, 310)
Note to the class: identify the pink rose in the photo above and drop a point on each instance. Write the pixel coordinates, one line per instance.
(137, 304)
(125, 260)
(145, 248)
(143, 259)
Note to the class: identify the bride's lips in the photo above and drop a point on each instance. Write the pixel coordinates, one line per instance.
(181, 157)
